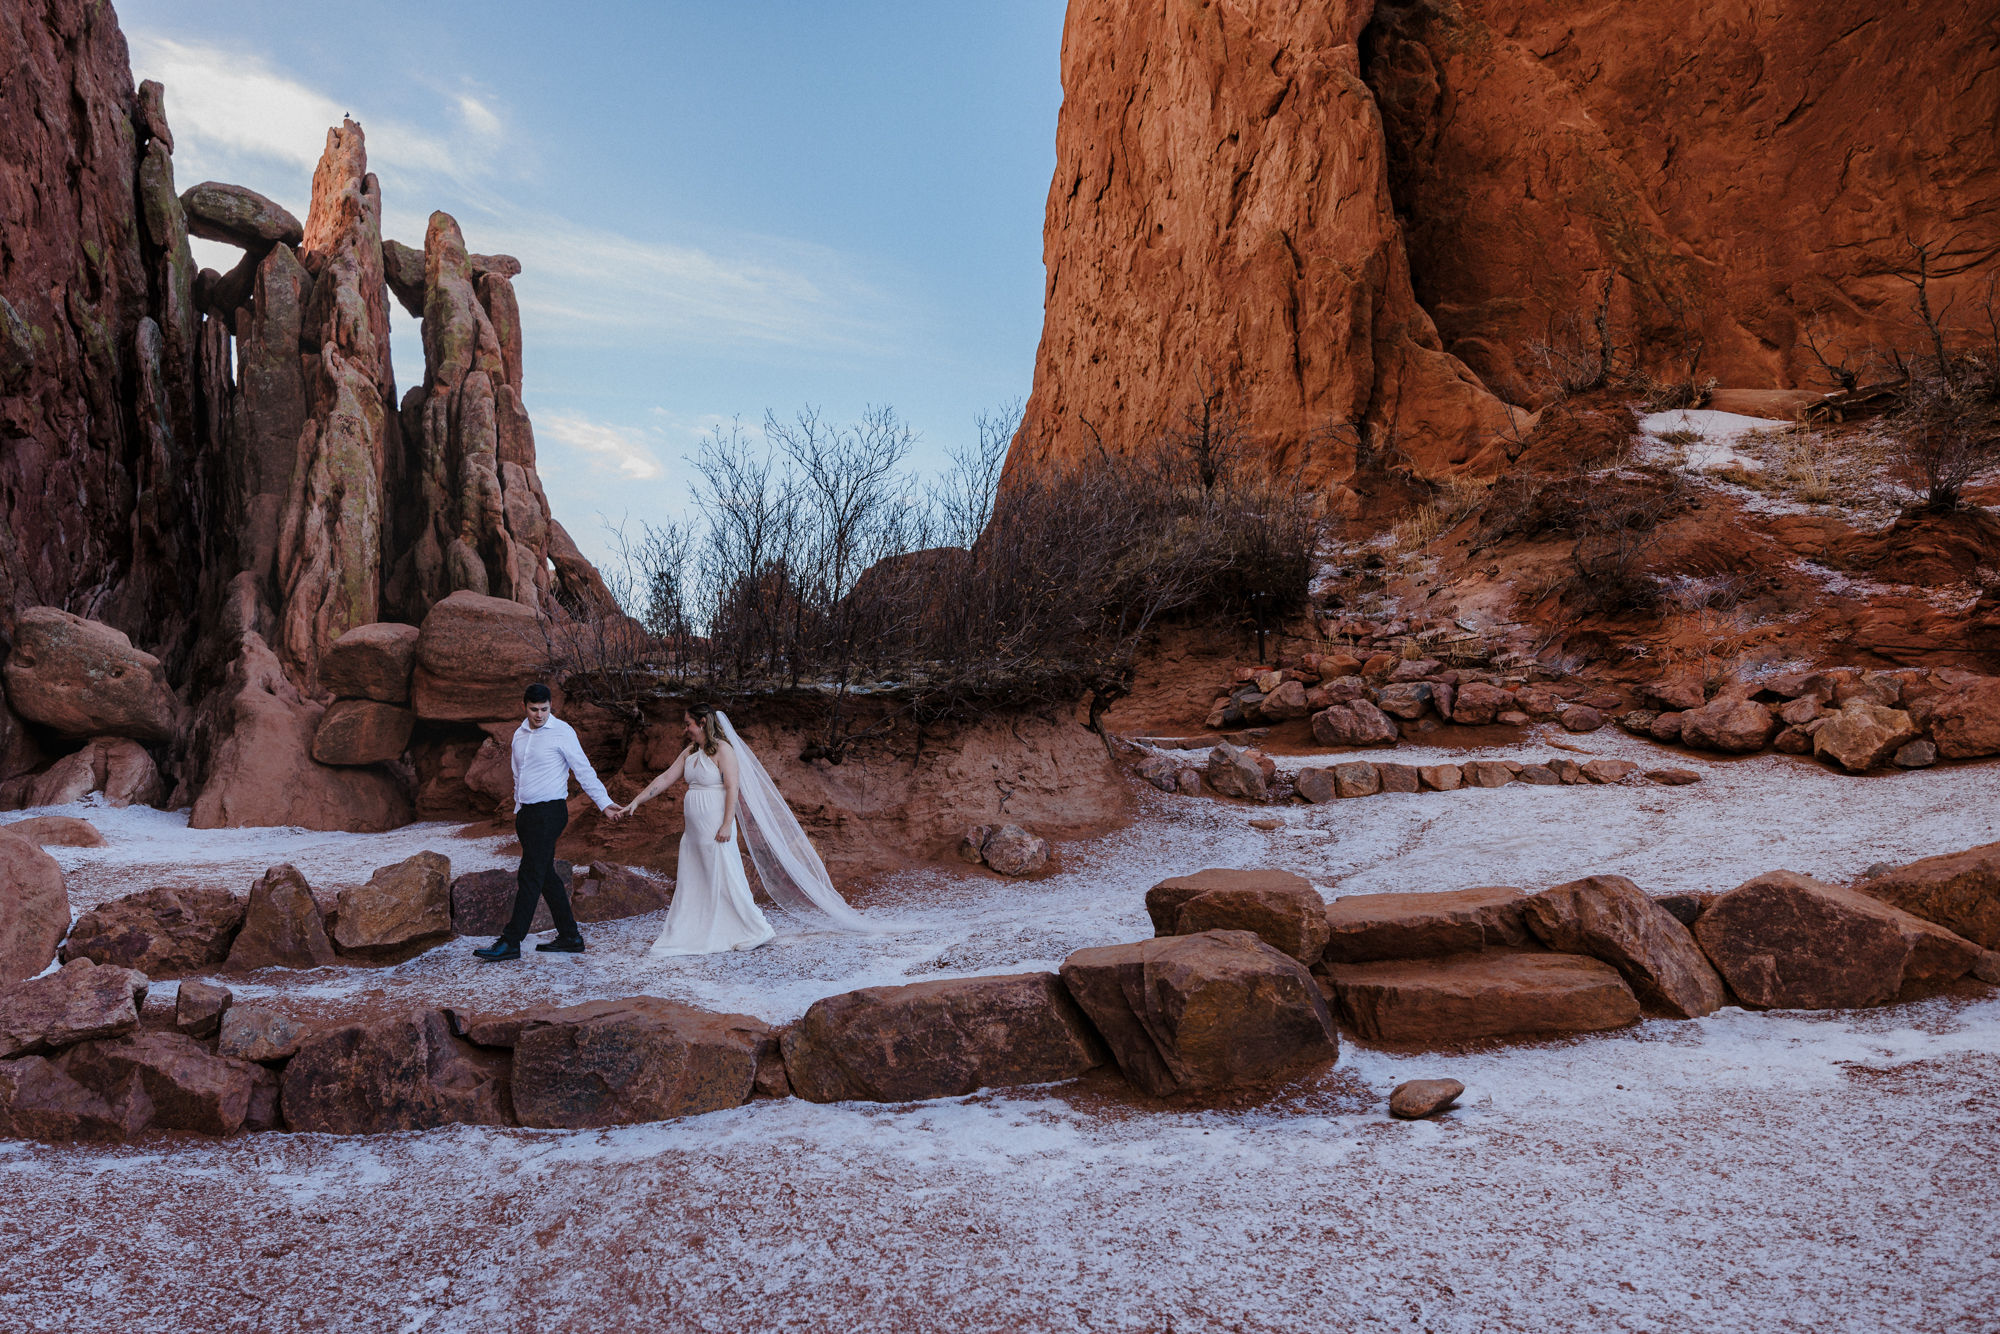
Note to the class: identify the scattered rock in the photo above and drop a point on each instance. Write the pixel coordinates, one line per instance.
(1162, 771)
(1862, 735)
(1441, 777)
(616, 1062)
(1919, 754)
(1288, 915)
(1366, 927)
(1608, 917)
(372, 661)
(254, 1033)
(34, 908)
(1397, 777)
(1288, 700)
(76, 1004)
(1639, 722)
(1538, 774)
(1678, 694)
(1799, 712)
(1235, 772)
(84, 679)
(199, 1007)
(940, 1039)
(55, 831)
(169, 1081)
(362, 731)
(402, 909)
(238, 216)
(1267, 826)
(1408, 701)
(282, 926)
(1012, 850)
(1581, 718)
(1188, 782)
(405, 1073)
(1357, 778)
(1673, 777)
(1734, 725)
(1513, 718)
(1479, 703)
(1486, 773)
(1785, 941)
(1202, 1013)
(1492, 994)
(1417, 1098)
(1959, 891)
(163, 932)
(1355, 723)
(1666, 728)
(1315, 785)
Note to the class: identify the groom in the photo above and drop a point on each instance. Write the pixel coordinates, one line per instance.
(546, 753)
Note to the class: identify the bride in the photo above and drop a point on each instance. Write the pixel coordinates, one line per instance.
(712, 909)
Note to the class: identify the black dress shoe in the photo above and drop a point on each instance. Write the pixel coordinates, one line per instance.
(499, 950)
(562, 945)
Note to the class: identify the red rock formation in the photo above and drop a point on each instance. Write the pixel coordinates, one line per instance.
(1734, 170)
(1221, 209)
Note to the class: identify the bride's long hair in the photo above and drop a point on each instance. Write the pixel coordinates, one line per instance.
(704, 717)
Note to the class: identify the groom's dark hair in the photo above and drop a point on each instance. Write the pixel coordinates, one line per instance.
(535, 694)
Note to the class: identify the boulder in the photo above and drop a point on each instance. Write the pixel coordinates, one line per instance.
(1408, 701)
(175, 1079)
(283, 926)
(1608, 771)
(1366, 927)
(1162, 771)
(362, 731)
(1673, 777)
(82, 679)
(1785, 941)
(1608, 917)
(1862, 735)
(1799, 712)
(116, 766)
(1964, 720)
(1492, 994)
(255, 1033)
(1012, 850)
(1441, 777)
(1581, 718)
(1538, 774)
(372, 661)
(1287, 915)
(76, 1004)
(1355, 723)
(167, 931)
(1959, 891)
(1677, 694)
(1357, 778)
(238, 216)
(1919, 754)
(475, 654)
(1665, 728)
(1478, 703)
(1987, 968)
(38, 1100)
(1235, 772)
(1417, 1098)
(1639, 722)
(1203, 1013)
(405, 1073)
(402, 909)
(605, 892)
(1164, 900)
(1727, 724)
(615, 1062)
(482, 901)
(1397, 777)
(1486, 773)
(1315, 785)
(34, 908)
(1687, 907)
(1285, 702)
(939, 1040)
(199, 1008)
(55, 831)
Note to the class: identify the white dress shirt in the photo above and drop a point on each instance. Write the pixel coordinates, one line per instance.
(545, 757)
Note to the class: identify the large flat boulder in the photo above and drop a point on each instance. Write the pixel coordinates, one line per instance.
(80, 1002)
(1786, 941)
(475, 654)
(83, 679)
(1206, 1013)
(939, 1039)
(609, 1063)
(1287, 917)
(283, 926)
(1608, 917)
(1491, 994)
(181, 1084)
(239, 216)
(372, 661)
(168, 931)
(1164, 900)
(1366, 927)
(1960, 891)
(362, 731)
(400, 910)
(34, 908)
(405, 1073)
(54, 831)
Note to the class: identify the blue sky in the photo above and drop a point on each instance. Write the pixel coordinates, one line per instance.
(720, 207)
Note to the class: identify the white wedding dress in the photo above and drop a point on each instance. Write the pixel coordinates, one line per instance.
(712, 909)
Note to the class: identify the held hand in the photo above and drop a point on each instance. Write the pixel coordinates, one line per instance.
(615, 813)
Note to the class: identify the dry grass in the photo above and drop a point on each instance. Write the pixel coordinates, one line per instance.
(1840, 469)
(1454, 498)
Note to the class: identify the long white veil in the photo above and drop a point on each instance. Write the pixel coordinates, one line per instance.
(791, 870)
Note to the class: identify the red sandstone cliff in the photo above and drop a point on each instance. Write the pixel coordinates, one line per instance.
(1288, 196)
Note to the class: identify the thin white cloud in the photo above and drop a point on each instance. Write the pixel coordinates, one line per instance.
(619, 448)
(478, 118)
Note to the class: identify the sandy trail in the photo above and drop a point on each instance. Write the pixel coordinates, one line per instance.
(1775, 1171)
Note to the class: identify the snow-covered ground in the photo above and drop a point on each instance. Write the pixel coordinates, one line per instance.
(1775, 1171)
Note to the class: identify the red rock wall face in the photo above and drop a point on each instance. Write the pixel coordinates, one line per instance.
(1732, 169)
(1221, 205)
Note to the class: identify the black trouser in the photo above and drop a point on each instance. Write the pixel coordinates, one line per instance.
(539, 824)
